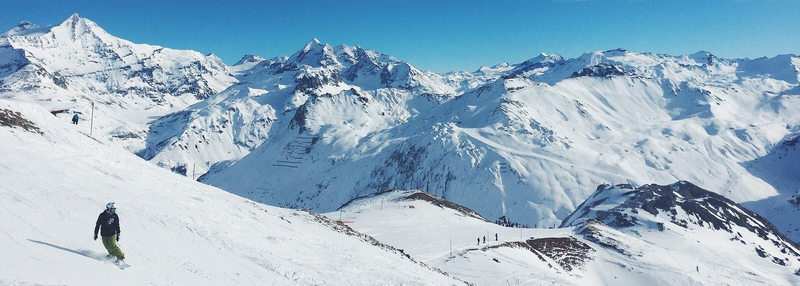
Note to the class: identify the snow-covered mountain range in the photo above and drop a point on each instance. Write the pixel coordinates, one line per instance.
(528, 141)
(75, 64)
(54, 180)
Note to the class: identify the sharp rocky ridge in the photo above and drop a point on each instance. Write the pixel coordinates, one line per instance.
(330, 123)
(682, 205)
(613, 215)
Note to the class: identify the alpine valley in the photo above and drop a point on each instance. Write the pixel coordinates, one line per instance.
(625, 168)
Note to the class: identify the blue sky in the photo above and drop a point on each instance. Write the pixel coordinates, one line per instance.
(438, 36)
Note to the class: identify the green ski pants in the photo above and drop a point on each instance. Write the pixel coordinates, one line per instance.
(110, 242)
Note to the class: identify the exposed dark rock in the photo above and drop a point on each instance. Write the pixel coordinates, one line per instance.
(522, 245)
(299, 119)
(795, 201)
(697, 207)
(12, 119)
(308, 83)
(601, 70)
(568, 252)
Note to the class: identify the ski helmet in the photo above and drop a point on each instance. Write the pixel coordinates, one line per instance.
(110, 206)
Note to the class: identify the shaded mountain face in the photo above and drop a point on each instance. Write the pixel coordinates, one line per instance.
(683, 205)
(779, 169)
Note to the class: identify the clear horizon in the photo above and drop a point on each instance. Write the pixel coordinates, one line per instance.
(439, 36)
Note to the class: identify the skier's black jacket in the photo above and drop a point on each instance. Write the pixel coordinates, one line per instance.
(109, 222)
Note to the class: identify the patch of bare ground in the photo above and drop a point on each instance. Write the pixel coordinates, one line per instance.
(568, 252)
(519, 244)
(13, 119)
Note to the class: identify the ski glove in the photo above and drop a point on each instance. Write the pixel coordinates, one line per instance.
(95, 237)
(117, 237)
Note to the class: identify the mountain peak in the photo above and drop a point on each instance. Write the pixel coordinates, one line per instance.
(74, 19)
(24, 25)
(682, 203)
(249, 58)
(703, 57)
(75, 25)
(315, 54)
(616, 52)
(19, 28)
(312, 45)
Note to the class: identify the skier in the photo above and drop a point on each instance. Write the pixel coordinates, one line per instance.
(109, 221)
(75, 119)
(495, 236)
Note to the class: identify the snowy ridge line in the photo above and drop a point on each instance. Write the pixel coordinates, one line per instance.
(437, 201)
(419, 196)
(376, 194)
(342, 228)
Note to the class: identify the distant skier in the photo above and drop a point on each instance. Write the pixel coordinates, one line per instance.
(484, 239)
(495, 237)
(75, 119)
(108, 223)
(479, 241)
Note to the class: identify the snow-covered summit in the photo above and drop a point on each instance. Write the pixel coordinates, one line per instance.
(315, 54)
(22, 27)
(83, 57)
(79, 68)
(249, 58)
(291, 92)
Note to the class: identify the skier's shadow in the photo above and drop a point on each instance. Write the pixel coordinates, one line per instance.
(81, 252)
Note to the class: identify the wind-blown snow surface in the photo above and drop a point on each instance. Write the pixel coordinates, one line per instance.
(588, 253)
(55, 180)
